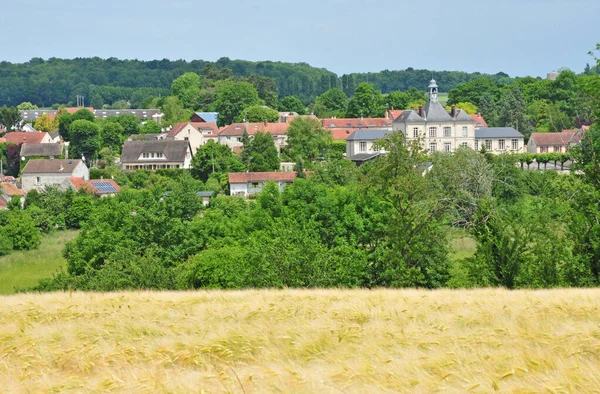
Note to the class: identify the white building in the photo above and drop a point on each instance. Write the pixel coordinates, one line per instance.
(362, 144)
(249, 183)
(40, 173)
(498, 140)
(156, 154)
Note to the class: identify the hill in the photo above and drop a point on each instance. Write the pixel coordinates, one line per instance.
(302, 341)
(47, 82)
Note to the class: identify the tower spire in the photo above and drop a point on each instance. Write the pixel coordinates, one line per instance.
(433, 90)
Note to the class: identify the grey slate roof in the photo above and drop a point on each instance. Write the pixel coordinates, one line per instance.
(138, 113)
(497, 132)
(28, 150)
(463, 117)
(48, 166)
(435, 112)
(173, 150)
(368, 134)
(362, 157)
(410, 116)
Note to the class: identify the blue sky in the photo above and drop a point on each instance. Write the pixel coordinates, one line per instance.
(519, 37)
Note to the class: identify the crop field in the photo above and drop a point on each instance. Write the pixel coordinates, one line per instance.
(325, 341)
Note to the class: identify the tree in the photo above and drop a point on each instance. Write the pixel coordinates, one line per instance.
(173, 110)
(511, 110)
(20, 230)
(86, 139)
(266, 88)
(84, 114)
(187, 89)
(10, 118)
(469, 108)
(112, 136)
(292, 104)
(331, 103)
(366, 102)
(129, 123)
(44, 123)
(214, 158)
(261, 154)
(26, 106)
(257, 113)
(473, 91)
(232, 98)
(150, 127)
(308, 140)
(64, 120)
(396, 100)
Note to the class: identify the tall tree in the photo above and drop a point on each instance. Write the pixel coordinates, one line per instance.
(308, 140)
(86, 139)
(45, 123)
(187, 89)
(367, 102)
(396, 100)
(232, 98)
(261, 154)
(511, 110)
(331, 103)
(10, 118)
(258, 113)
(292, 104)
(214, 158)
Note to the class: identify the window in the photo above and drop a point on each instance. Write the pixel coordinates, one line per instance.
(447, 132)
(488, 144)
(38, 180)
(515, 144)
(254, 185)
(415, 132)
(557, 149)
(362, 146)
(501, 144)
(476, 145)
(465, 145)
(432, 147)
(447, 147)
(432, 132)
(464, 131)
(186, 138)
(543, 149)
(375, 147)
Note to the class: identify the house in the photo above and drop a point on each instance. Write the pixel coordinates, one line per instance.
(249, 183)
(232, 135)
(40, 173)
(48, 150)
(362, 145)
(156, 154)
(499, 140)
(393, 113)
(19, 137)
(554, 142)
(479, 121)
(197, 133)
(55, 137)
(342, 128)
(205, 196)
(33, 114)
(437, 128)
(204, 117)
(97, 187)
(8, 191)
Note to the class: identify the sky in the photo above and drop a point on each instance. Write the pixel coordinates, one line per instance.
(518, 37)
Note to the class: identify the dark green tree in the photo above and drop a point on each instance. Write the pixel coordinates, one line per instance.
(366, 102)
(308, 140)
(232, 98)
(292, 104)
(86, 139)
(214, 158)
(10, 117)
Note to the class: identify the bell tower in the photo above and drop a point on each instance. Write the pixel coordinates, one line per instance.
(433, 90)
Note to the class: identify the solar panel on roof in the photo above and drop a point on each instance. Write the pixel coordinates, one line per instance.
(104, 187)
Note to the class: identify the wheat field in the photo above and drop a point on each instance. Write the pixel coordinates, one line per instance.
(304, 341)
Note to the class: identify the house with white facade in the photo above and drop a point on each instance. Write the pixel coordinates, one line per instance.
(40, 173)
(498, 140)
(197, 133)
(439, 130)
(246, 184)
(362, 145)
(156, 154)
(49, 150)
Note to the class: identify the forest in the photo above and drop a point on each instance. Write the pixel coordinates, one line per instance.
(107, 81)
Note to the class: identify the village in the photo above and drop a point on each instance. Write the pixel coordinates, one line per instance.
(48, 163)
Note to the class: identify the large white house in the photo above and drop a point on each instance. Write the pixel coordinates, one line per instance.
(499, 140)
(40, 173)
(438, 129)
(362, 145)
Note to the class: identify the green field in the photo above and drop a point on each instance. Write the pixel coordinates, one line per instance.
(21, 270)
(443, 98)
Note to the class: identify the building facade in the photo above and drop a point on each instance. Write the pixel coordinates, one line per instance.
(245, 184)
(498, 140)
(41, 173)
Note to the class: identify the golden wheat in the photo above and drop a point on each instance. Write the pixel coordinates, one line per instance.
(326, 341)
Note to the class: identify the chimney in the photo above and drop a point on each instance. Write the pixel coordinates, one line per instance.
(61, 168)
(412, 107)
(453, 111)
(421, 112)
(265, 123)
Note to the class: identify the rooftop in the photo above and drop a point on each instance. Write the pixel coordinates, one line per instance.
(174, 151)
(497, 132)
(49, 166)
(244, 177)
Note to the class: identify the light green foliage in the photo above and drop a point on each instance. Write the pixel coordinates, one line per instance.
(308, 140)
(257, 113)
(397, 100)
(129, 123)
(19, 228)
(25, 106)
(112, 135)
(260, 153)
(151, 127)
(173, 110)
(232, 98)
(367, 102)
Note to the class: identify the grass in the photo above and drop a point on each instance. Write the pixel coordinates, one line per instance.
(443, 98)
(462, 244)
(21, 270)
(325, 341)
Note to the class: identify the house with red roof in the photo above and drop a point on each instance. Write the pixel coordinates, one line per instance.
(19, 137)
(197, 133)
(97, 187)
(479, 121)
(232, 135)
(246, 184)
(342, 128)
(8, 191)
(554, 142)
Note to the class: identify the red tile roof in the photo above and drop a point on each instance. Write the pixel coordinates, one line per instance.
(341, 134)
(251, 128)
(77, 182)
(17, 137)
(11, 189)
(3, 203)
(90, 186)
(356, 123)
(244, 177)
(565, 137)
(394, 113)
(479, 121)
